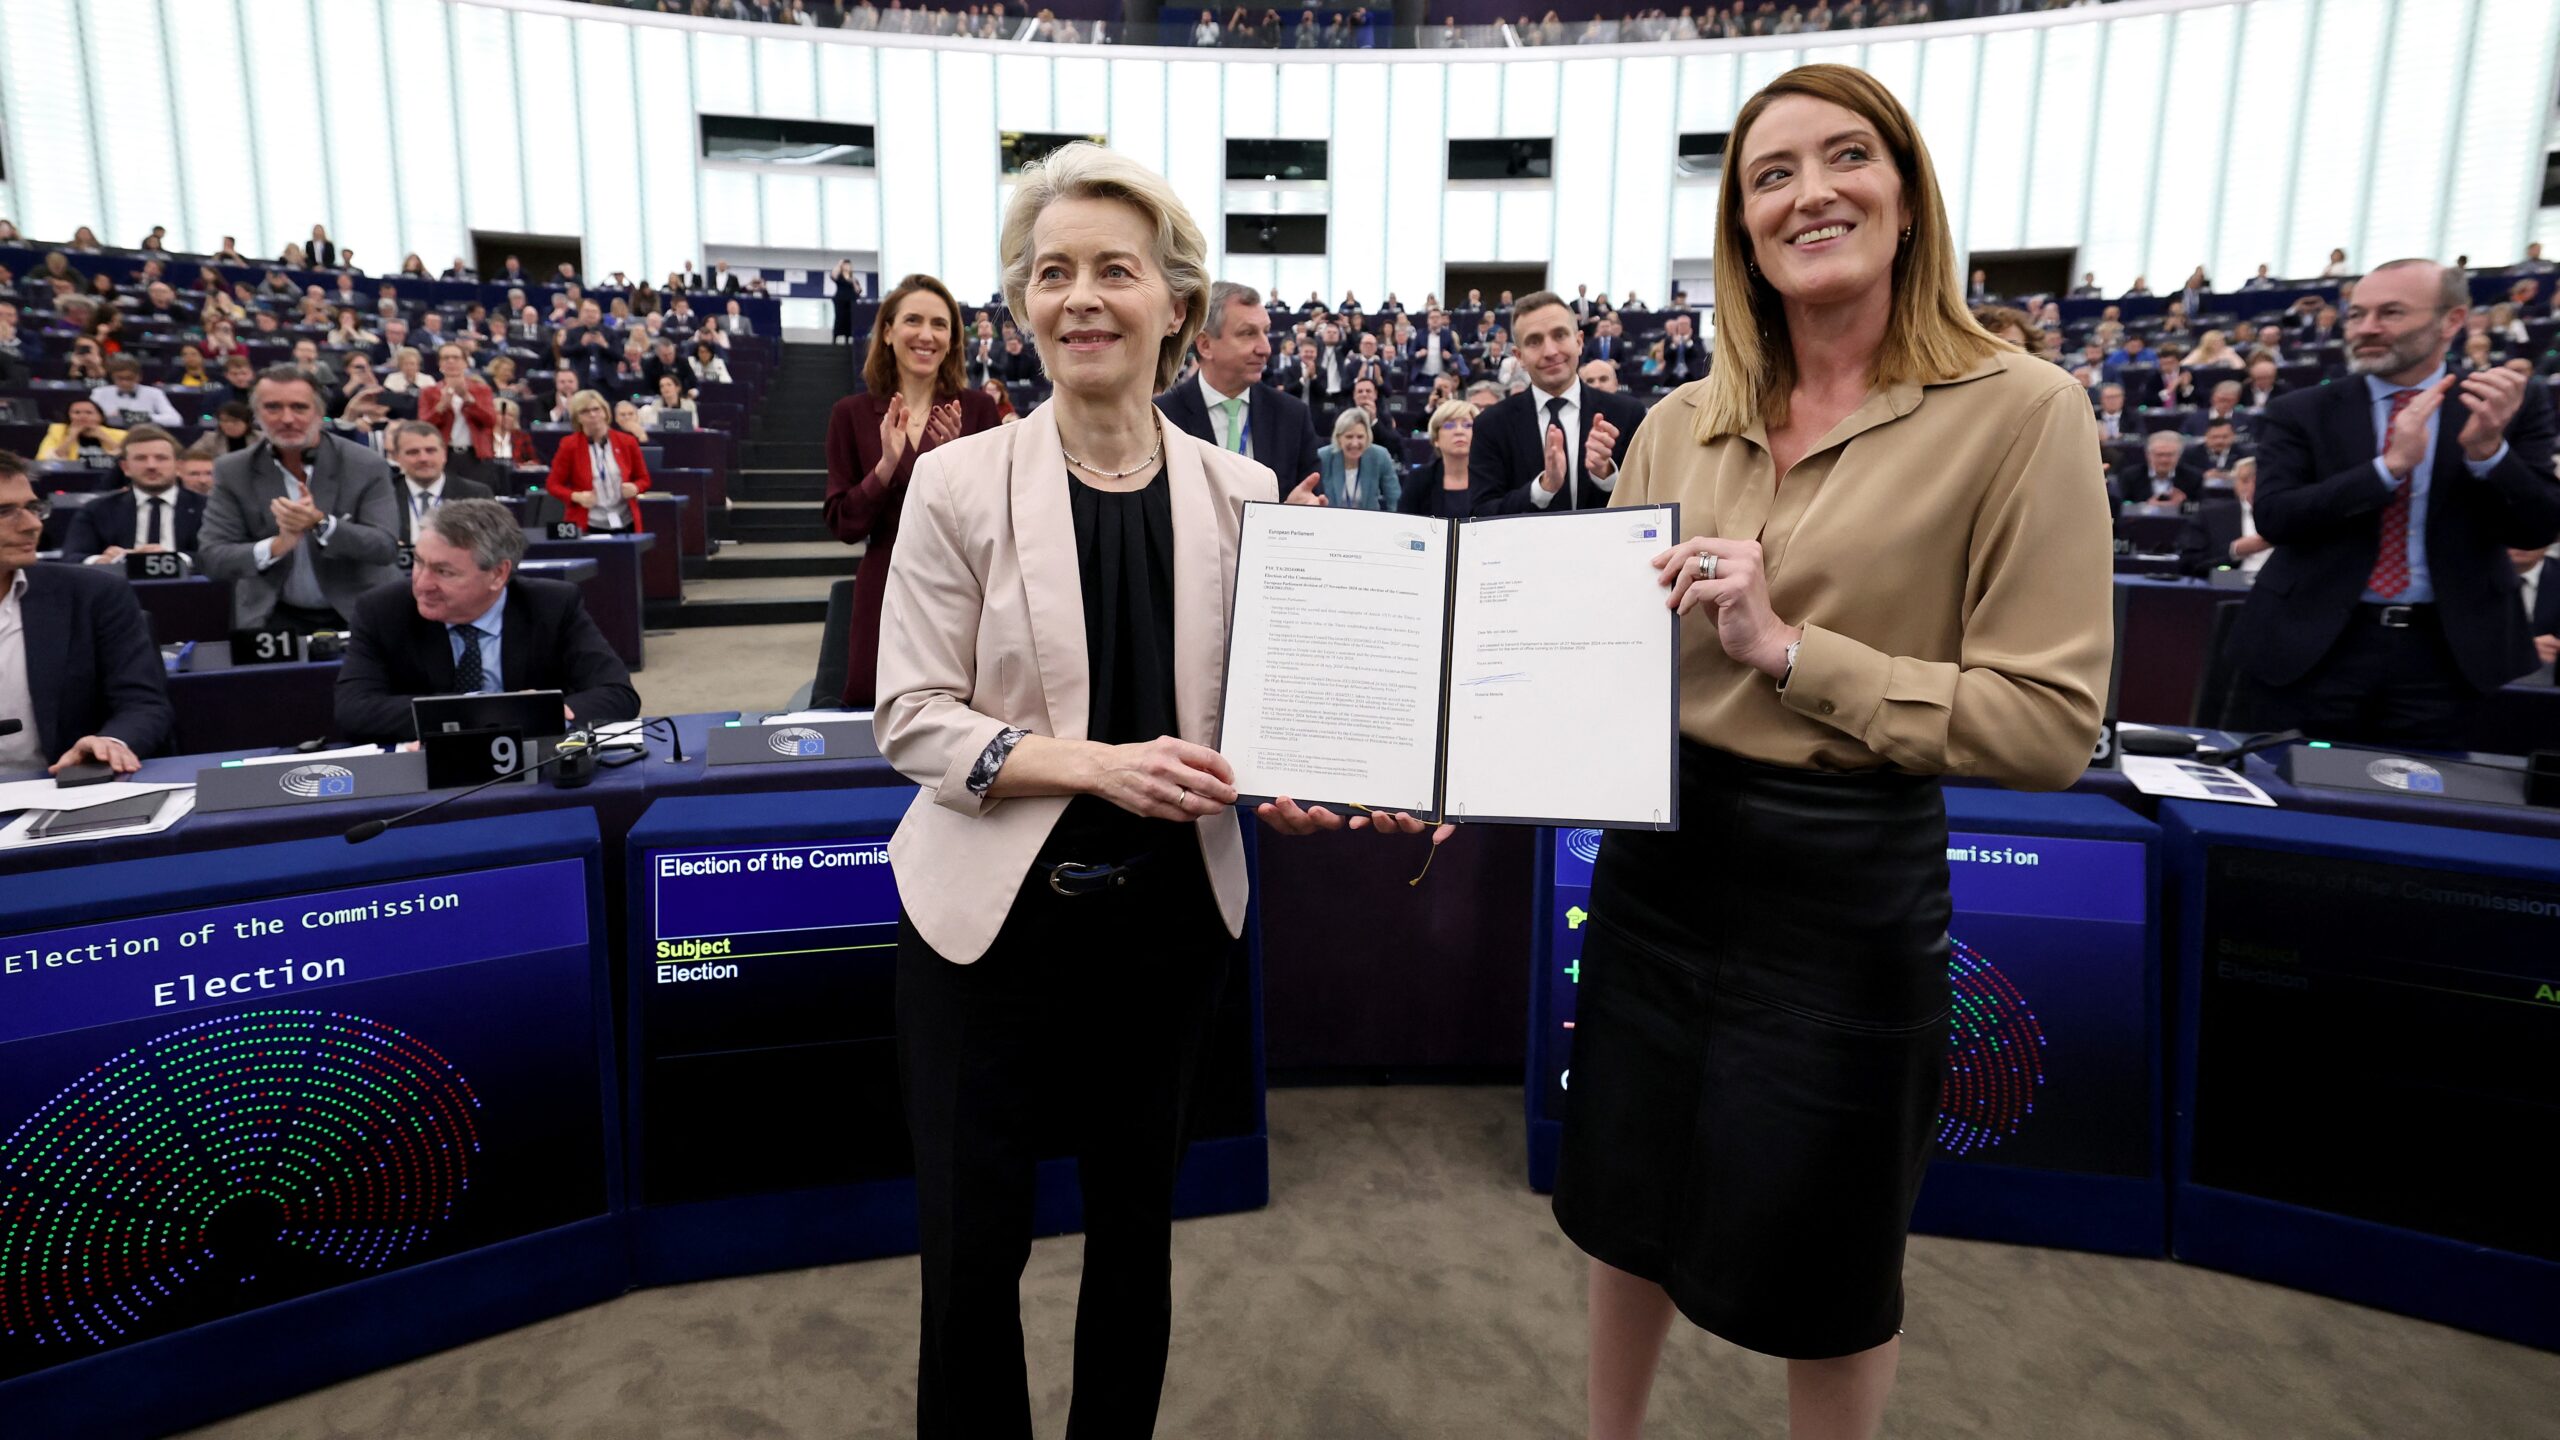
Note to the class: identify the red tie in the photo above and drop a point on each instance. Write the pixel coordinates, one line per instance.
(2390, 575)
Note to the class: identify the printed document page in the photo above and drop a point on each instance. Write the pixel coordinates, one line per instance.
(1563, 670)
(1333, 657)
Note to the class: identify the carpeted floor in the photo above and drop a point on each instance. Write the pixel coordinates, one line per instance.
(1405, 1285)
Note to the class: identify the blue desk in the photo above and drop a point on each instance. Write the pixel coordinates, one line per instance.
(2048, 1125)
(264, 1136)
(2368, 1062)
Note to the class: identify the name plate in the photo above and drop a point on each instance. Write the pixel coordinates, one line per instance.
(317, 782)
(799, 741)
(155, 565)
(567, 530)
(265, 647)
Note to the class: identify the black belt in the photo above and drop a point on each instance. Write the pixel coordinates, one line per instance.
(1073, 878)
(2395, 617)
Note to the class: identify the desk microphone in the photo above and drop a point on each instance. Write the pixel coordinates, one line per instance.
(584, 745)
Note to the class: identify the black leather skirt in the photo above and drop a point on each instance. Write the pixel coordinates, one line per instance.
(1761, 1024)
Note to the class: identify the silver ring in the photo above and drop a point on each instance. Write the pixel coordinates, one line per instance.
(1181, 798)
(1706, 567)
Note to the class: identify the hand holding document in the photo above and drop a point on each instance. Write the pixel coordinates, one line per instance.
(1519, 668)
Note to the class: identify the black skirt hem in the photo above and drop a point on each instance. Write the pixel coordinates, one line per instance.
(1695, 1309)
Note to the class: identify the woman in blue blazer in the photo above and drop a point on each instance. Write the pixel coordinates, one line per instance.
(1357, 472)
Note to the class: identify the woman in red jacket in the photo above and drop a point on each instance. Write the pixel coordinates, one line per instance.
(597, 473)
(464, 410)
(916, 395)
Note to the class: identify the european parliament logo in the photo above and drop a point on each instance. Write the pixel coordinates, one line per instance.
(796, 741)
(1585, 845)
(318, 781)
(2401, 773)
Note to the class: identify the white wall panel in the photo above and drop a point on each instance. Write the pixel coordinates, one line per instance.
(2128, 140)
(1137, 111)
(1585, 170)
(1525, 225)
(724, 77)
(1647, 152)
(1306, 103)
(2066, 111)
(126, 65)
(1948, 68)
(1083, 95)
(662, 68)
(970, 164)
(1759, 67)
(1251, 102)
(1358, 234)
(1259, 271)
(1022, 92)
(1707, 98)
(2266, 110)
(50, 160)
(1299, 276)
(786, 83)
(732, 208)
(2500, 112)
(1195, 152)
(1530, 98)
(1417, 150)
(791, 217)
(2003, 117)
(606, 103)
(2404, 214)
(1475, 99)
(851, 207)
(2339, 110)
(285, 119)
(910, 171)
(484, 84)
(1693, 222)
(844, 84)
(1469, 217)
(1896, 65)
(2195, 136)
(549, 104)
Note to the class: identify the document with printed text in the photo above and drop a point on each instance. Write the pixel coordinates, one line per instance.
(1517, 669)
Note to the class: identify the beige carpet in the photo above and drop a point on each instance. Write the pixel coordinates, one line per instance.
(1405, 1283)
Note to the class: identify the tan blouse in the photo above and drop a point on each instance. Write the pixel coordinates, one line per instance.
(1946, 549)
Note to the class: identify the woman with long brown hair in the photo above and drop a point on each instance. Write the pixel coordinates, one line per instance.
(915, 396)
(1762, 1014)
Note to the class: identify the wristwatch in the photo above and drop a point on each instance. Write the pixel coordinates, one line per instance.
(1790, 672)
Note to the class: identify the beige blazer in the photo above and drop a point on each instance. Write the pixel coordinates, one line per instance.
(983, 629)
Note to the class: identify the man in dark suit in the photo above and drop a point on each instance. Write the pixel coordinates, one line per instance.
(418, 449)
(2222, 451)
(152, 513)
(1609, 345)
(2262, 386)
(2163, 476)
(1300, 378)
(2221, 407)
(2539, 582)
(1684, 355)
(1435, 351)
(2389, 612)
(2224, 530)
(465, 623)
(1586, 311)
(1227, 406)
(302, 523)
(1558, 444)
(77, 667)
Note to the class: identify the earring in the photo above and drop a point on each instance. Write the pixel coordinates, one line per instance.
(1906, 234)
(1753, 266)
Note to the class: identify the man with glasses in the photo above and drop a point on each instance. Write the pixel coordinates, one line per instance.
(2387, 613)
(77, 668)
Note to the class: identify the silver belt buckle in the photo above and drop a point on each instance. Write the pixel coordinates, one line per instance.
(1058, 873)
(2397, 617)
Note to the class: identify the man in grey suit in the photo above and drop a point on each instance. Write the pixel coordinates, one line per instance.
(303, 522)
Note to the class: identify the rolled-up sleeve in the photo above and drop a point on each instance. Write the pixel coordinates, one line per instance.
(2022, 704)
(928, 672)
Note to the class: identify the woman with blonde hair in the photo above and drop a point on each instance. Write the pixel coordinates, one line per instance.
(1072, 869)
(2213, 347)
(597, 471)
(1763, 1004)
(1439, 489)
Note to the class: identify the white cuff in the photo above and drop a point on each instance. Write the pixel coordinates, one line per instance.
(1540, 496)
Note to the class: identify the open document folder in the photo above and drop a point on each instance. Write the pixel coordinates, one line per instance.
(1520, 669)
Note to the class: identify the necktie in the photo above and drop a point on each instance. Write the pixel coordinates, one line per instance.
(1555, 417)
(421, 501)
(152, 536)
(2390, 577)
(1234, 409)
(467, 675)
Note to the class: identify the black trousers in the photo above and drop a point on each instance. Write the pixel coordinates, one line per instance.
(2378, 685)
(1077, 1033)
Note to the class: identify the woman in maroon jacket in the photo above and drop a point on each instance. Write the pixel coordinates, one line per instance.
(915, 397)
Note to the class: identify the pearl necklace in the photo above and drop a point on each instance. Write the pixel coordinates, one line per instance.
(1152, 457)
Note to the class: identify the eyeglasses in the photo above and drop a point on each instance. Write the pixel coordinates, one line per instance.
(1449, 425)
(41, 507)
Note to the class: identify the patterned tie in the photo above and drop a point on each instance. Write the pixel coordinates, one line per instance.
(467, 676)
(1234, 409)
(2390, 577)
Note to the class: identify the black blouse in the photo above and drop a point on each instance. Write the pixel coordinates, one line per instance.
(1124, 548)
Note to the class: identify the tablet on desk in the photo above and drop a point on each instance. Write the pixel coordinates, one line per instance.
(530, 713)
